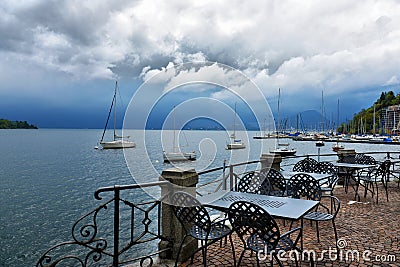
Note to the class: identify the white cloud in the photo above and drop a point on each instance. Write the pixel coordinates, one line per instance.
(337, 46)
(392, 81)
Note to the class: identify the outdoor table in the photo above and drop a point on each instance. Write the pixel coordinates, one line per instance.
(350, 169)
(278, 207)
(322, 178)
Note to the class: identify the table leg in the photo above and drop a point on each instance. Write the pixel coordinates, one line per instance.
(301, 233)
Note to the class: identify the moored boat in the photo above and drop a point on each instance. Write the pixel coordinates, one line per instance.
(118, 141)
(284, 151)
(176, 154)
(320, 143)
(237, 143)
(179, 156)
(337, 147)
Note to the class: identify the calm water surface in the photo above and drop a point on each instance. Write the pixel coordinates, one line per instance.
(48, 178)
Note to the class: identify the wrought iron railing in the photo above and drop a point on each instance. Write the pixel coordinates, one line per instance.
(104, 240)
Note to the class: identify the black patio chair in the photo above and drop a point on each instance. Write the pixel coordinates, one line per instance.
(303, 185)
(365, 159)
(259, 232)
(395, 173)
(373, 176)
(197, 224)
(326, 167)
(253, 182)
(305, 165)
(325, 212)
(277, 182)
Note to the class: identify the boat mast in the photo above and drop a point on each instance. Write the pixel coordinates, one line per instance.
(174, 141)
(233, 136)
(109, 113)
(338, 119)
(322, 114)
(374, 121)
(337, 126)
(279, 115)
(115, 109)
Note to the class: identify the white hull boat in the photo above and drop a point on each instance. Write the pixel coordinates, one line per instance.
(284, 151)
(117, 144)
(237, 144)
(176, 154)
(337, 147)
(118, 141)
(179, 156)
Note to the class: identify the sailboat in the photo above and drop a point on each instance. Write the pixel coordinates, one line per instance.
(283, 149)
(118, 141)
(236, 143)
(263, 136)
(321, 136)
(177, 155)
(336, 147)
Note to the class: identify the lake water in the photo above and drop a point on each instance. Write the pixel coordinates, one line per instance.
(48, 177)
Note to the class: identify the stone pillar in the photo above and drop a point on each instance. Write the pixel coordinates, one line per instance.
(345, 152)
(341, 153)
(171, 228)
(271, 161)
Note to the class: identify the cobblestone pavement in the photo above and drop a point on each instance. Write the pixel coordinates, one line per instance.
(369, 234)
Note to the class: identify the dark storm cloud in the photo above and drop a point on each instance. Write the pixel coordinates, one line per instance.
(339, 47)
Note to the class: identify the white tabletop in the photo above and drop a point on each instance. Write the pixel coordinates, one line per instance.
(353, 165)
(280, 207)
(316, 176)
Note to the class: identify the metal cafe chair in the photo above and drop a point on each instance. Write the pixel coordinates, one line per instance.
(324, 213)
(305, 165)
(395, 173)
(372, 176)
(197, 224)
(277, 182)
(303, 185)
(326, 167)
(259, 232)
(365, 159)
(253, 182)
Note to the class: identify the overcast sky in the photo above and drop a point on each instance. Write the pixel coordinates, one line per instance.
(59, 59)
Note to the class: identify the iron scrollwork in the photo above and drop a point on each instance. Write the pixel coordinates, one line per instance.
(99, 239)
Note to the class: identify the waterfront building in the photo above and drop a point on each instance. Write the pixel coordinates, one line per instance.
(391, 119)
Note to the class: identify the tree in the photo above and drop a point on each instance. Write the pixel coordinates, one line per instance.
(365, 116)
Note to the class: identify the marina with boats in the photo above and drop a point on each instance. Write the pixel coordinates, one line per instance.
(366, 139)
